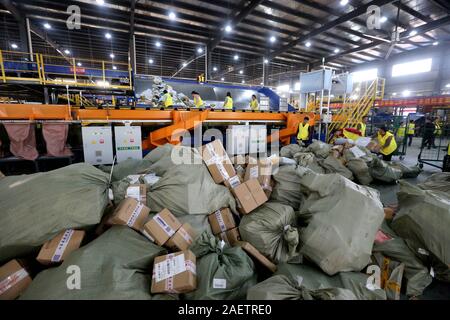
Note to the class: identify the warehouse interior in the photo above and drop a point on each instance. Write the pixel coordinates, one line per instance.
(225, 149)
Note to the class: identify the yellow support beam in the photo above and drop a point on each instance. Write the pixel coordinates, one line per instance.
(2, 66)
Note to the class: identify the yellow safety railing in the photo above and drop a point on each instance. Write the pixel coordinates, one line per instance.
(353, 110)
(57, 70)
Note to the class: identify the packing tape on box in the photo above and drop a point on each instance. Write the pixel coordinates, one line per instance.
(211, 150)
(220, 221)
(62, 245)
(12, 280)
(186, 236)
(222, 170)
(164, 225)
(136, 212)
(168, 286)
(224, 237)
(145, 233)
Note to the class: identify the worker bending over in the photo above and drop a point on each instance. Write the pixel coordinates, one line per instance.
(361, 126)
(254, 103)
(166, 99)
(387, 143)
(228, 104)
(304, 132)
(198, 102)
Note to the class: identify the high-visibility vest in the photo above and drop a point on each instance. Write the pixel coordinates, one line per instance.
(350, 135)
(391, 147)
(228, 103)
(401, 131)
(363, 129)
(303, 131)
(438, 129)
(198, 101)
(168, 101)
(411, 128)
(254, 104)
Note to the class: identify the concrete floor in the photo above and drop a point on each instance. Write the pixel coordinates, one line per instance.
(437, 290)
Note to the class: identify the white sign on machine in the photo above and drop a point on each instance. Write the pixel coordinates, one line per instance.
(97, 145)
(128, 142)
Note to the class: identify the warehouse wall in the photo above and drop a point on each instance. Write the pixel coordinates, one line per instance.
(421, 84)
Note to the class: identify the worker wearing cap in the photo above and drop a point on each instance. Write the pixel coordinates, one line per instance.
(361, 126)
(167, 99)
(387, 143)
(303, 131)
(228, 104)
(254, 103)
(198, 102)
(410, 131)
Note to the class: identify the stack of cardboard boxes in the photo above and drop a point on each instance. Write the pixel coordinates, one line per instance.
(223, 225)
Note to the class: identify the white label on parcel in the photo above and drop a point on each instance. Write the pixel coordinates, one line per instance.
(254, 172)
(357, 152)
(219, 283)
(135, 214)
(169, 267)
(134, 192)
(62, 245)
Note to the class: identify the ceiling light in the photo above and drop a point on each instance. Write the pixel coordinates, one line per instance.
(236, 57)
(308, 44)
(355, 97)
(383, 19)
(101, 83)
(406, 93)
(108, 35)
(447, 85)
(14, 46)
(241, 71)
(215, 69)
(158, 44)
(243, 81)
(200, 50)
(172, 15)
(412, 33)
(344, 2)
(47, 25)
(394, 93)
(435, 43)
(100, 2)
(112, 56)
(268, 10)
(273, 39)
(228, 28)
(79, 64)
(336, 50)
(184, 64)
(357, 89)
(114, 68)
(67, 51)
(262, 83)
(266, 61)
(222, 79)
(150, 61)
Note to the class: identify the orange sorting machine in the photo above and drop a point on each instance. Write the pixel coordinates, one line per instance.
(177, 120)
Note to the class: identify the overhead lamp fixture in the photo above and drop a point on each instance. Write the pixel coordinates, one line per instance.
(241, 71)
(100, 2)
(79, 64)
(406, 93)
(355, 97)
(344, 2)
(228, 28)
(14, 46)
(435, 43)
(150, 61)
(394, 94)
(112, 56)
(172, 15)
(308, 44)
(47, 25)
(273, 39)
(266, 61)
(114, 68)
(200, 50)
(383, 19)
(214, 68)
(222, 79)
(158, 44)
(336, 50)
(67, 51)
(184, 64)
(243, 81)
(236, 57)
(108, 35)
(412, 33)
(262, 83)
(447, 85)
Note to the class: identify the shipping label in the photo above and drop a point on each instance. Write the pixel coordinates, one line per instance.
(62, 245)
(135, 214)
(164, 225)
(169, 267)
(186, 236)
(220, 221)
(219, 283)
